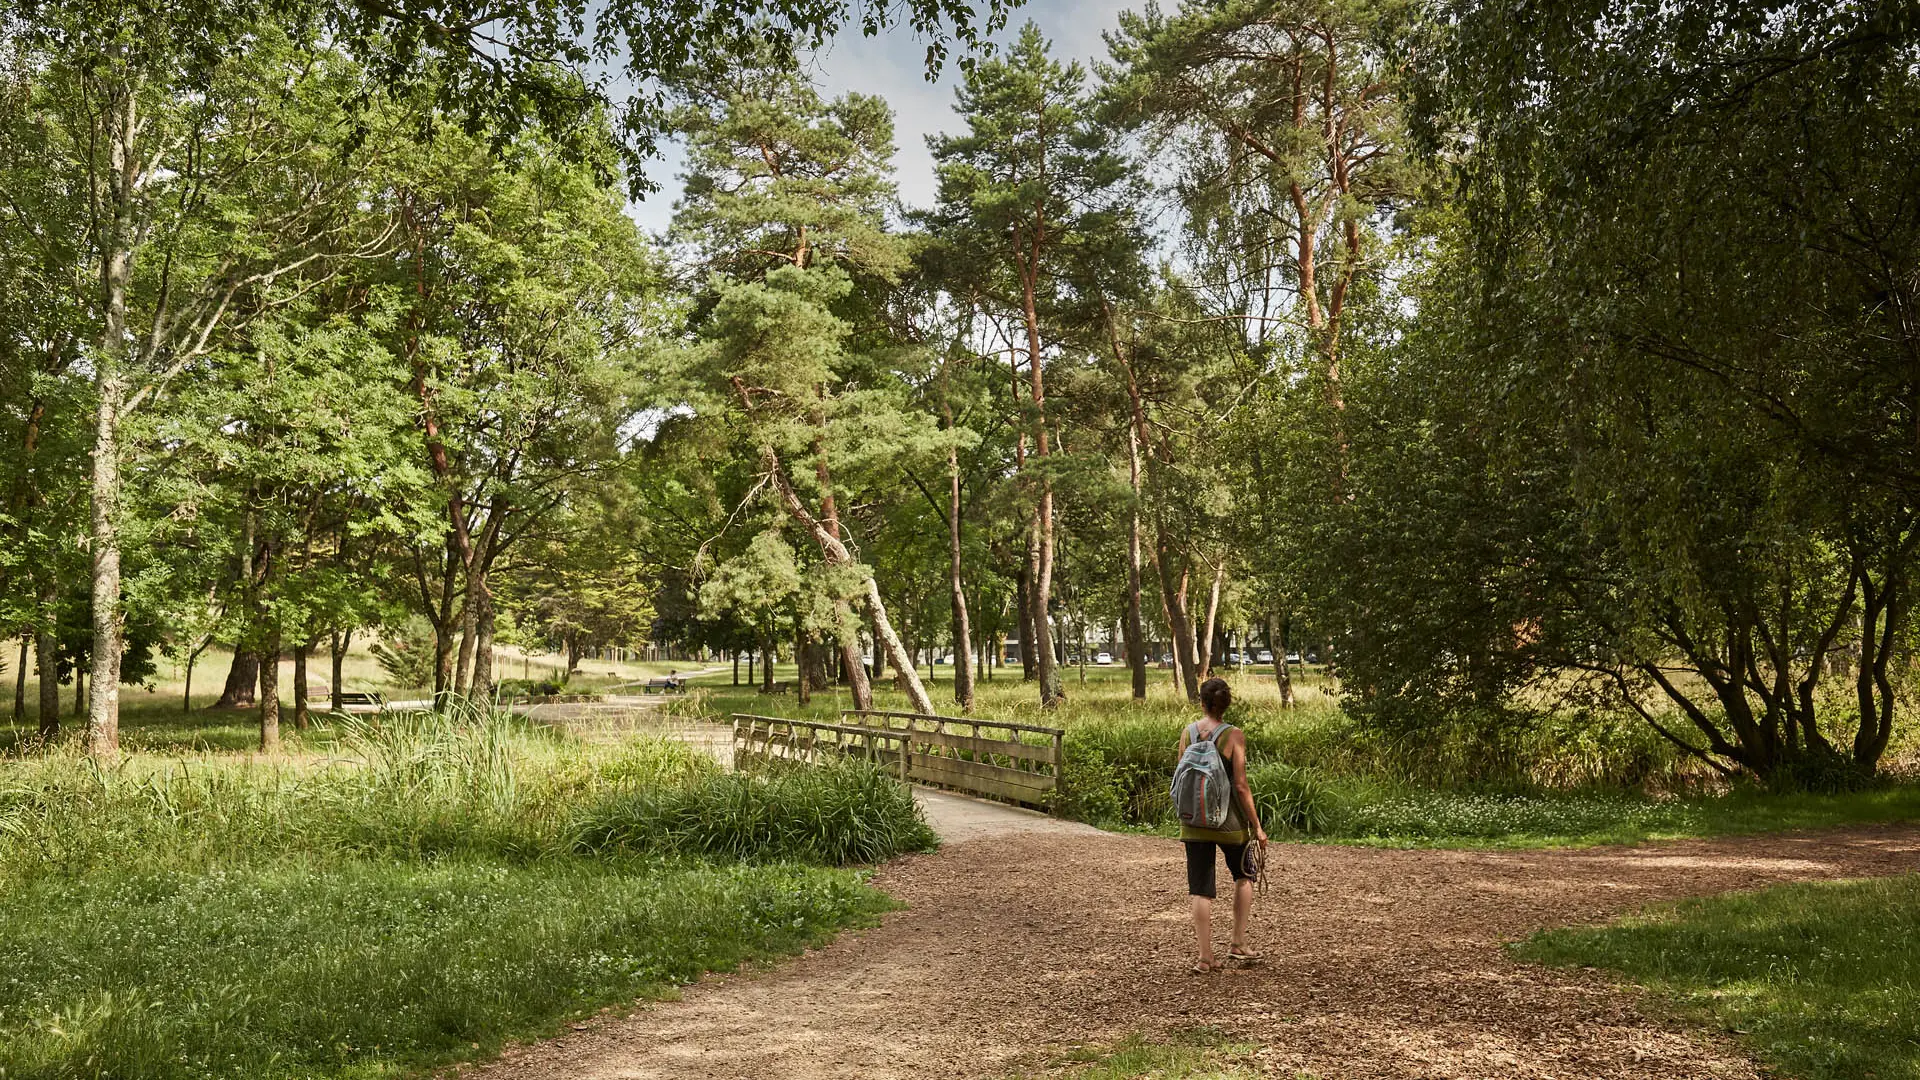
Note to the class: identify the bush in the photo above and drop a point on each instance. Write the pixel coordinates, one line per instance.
(1089, 790)
(513, 688)
(837, 814)
(1294, 800)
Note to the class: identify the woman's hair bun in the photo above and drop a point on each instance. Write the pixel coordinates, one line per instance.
(1215, 697)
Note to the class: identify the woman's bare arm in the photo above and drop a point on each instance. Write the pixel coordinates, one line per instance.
(1237, 761)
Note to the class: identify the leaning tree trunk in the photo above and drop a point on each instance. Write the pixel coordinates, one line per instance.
(242, 678)
(886, 641)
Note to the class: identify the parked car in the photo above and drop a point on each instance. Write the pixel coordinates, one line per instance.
(1264, 656)
(1103, 658)
(1293, 658)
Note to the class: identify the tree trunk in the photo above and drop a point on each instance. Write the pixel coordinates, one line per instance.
(766, 663)
(242, 678)
(1177, 619)
(803, 658)
(817, 678)
(962, 632)
(469, 632)
(20, 682)
(270, 692)
(301, 706)
(337, 649)
(852, 668)
(1028, 672)
(482, 685)
(103, 718)
(1213, 611)
(1277, 643)
(193, 659)
(79, 692)
(46, 659)
(115, 244)
(1047, 664)
(736, 667)
(1134, 632)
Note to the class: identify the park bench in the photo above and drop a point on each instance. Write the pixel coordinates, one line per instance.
(349, 701)
(663, 686)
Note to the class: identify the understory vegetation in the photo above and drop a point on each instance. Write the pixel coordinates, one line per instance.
(430, 887)
(1501, 780)
(1818, 979)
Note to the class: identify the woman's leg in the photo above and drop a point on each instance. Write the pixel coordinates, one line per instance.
(1200, 891)
(1242, 909)
(1203, 926)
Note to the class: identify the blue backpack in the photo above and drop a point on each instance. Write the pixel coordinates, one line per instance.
(1202, 787)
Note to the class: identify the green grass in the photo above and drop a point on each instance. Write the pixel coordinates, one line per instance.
(426, 888)
(370, 969)
(1822, 981)
(1194, 1054)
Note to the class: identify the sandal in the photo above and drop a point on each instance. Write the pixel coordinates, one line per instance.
(1202, 967)
(1244, 956)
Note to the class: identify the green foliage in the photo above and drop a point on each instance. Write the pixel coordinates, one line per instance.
(845, 812)
(1294, 800)
(1819, 980)
(405, 652)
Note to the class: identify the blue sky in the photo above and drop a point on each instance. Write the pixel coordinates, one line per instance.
(892, 65)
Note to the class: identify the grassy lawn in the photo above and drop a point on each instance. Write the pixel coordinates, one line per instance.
(1822, 981)
(425, 890)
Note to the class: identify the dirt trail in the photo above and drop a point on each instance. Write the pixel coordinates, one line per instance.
(1381, 964)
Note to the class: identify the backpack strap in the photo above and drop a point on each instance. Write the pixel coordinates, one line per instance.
(1212, 737)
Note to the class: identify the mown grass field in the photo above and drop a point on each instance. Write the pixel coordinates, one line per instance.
(421, 891)
(1822, 981)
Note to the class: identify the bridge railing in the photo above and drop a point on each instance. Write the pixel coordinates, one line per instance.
(1012, 762)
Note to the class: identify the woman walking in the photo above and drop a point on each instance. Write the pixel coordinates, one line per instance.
(1233, 837)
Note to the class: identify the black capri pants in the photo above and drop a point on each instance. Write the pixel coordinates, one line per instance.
(1200, 865)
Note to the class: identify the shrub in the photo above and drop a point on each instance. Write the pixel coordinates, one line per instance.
(1294, 800)
(1089, 790)
(836, 814)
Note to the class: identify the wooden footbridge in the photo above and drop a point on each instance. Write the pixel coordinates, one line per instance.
(1017, 763)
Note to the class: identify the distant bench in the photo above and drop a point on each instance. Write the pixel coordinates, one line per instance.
(348, 701)
(663, 686)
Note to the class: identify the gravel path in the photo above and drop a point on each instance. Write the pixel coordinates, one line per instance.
(1380, 964)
